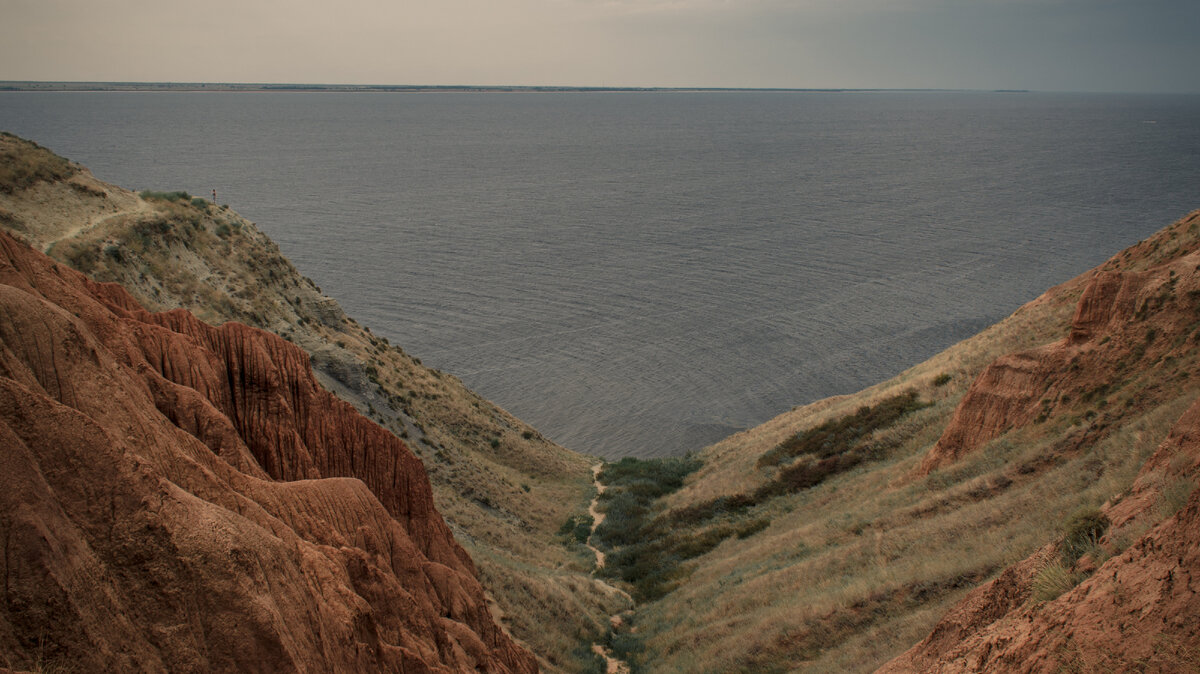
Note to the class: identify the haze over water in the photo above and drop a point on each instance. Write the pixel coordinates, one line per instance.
(644, 273)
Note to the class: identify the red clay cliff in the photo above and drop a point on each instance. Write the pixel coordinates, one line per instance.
(186, 498)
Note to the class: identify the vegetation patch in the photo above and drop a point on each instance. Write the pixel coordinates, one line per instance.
(176, 196)
(23, 164)
(642, 549)
(1084, 530)
(1052, 581)
(576, 528)
(816, 454)
(841, 436)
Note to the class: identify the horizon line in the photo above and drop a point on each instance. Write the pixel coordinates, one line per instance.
(116, 85)
(316, 87)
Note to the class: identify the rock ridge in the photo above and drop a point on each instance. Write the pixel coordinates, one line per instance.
(179, 497)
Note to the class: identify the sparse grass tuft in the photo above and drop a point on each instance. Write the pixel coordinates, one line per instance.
(1052, 581)
(1174, 496)
(1083, 532)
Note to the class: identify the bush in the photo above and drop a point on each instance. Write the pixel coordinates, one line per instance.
(165, 196)
(1084, 530)
(642, 549)
(942, 379)
(1174, 496)
(752, 527)
(577, 527)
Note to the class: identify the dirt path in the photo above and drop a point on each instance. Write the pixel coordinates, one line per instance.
(597, 516)
(613, 664)
(140, 208)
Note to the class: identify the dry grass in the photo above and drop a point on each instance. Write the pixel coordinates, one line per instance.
(24, 164)
(860, 562)
(503, 488)
(855, 570)
(729, 464)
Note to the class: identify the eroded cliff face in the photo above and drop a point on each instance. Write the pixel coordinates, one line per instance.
(179, 497)
(1126, 321)
(1134, 334)
(502, 487)
(1139, 609)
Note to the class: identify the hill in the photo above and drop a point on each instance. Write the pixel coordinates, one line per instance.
(1025, 499)
(504, 490)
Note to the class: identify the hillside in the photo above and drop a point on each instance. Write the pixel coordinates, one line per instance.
(957, 502)
(179, 497)
(503, 489)
(1023, 501)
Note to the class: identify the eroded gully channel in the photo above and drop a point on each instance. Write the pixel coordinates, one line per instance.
(614, 665)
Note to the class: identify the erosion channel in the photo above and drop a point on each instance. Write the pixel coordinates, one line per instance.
(613, 664)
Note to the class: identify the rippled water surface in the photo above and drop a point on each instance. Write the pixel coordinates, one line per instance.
(644, 273)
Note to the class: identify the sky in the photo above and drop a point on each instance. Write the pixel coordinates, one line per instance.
(1049, 45)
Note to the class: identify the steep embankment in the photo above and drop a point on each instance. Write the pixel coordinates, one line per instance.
(1008, 463)
(503, 488)
(187, 498)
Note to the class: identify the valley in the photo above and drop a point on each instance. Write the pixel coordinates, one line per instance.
(1023, 501)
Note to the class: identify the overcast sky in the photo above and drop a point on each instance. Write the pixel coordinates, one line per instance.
(1065, 45)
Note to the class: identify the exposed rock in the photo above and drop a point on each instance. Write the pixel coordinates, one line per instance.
(179, 497)
(1124, 318)
(504, 505)
(1138, 611)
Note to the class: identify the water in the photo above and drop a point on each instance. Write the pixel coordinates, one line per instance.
(644, 273)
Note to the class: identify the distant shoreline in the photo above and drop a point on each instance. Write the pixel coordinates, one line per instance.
(404, 88)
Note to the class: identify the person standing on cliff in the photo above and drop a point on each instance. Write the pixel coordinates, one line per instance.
(214, 195)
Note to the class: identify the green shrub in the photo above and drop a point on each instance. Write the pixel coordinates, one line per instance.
(178, 195)
(942, 379)
(577, 527)
(841, 435)
(642, 549)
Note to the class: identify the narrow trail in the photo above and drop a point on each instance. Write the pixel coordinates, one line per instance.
(597, 516)
(613, 664)
(140, 208)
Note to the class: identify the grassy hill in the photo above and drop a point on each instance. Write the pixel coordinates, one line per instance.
(835, 536)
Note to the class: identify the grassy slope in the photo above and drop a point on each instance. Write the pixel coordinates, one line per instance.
(857, 569)
(848, 574)
(504, 489)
